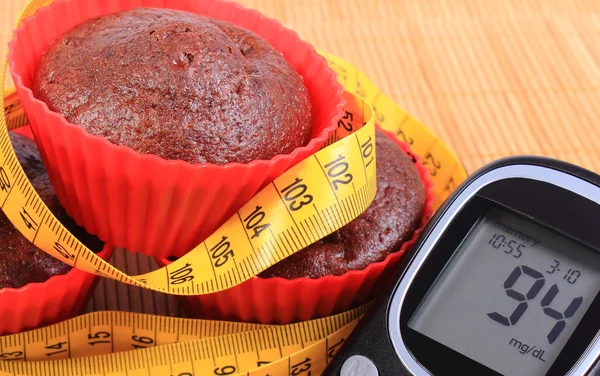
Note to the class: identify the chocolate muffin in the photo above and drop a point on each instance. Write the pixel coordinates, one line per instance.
(176, 85)
(388, 222)
(21, 262)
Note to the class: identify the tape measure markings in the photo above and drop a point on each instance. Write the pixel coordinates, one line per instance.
(403, 125)
(127, 331)
(25, 203)
(429, 154)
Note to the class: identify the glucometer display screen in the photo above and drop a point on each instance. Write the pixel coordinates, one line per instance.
(511, 295)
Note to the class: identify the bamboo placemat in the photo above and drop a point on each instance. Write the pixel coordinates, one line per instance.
(491, 77)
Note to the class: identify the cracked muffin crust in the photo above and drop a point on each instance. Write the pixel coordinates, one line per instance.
(176, 85)
(21, 262)
(381, 229)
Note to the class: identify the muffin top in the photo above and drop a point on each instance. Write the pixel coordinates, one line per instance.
(21, 262)
(176, 85)
(388, 222)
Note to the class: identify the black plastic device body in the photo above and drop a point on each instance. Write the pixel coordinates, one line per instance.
(545, 201)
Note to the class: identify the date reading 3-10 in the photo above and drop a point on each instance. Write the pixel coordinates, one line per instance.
(571, 276)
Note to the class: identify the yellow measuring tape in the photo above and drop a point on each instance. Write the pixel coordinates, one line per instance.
(301, 206)
(186, 347)
(306, 203)
(309, 201)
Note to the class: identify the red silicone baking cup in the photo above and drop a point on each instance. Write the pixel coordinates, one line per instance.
(37, 304)
(281, 301)
(139, 201)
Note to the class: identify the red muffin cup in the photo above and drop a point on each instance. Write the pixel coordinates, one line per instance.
(38, 304)
(24, 131)
(282, 301)
(142, 202)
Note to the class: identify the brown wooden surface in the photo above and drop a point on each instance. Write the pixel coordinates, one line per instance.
(491, 77)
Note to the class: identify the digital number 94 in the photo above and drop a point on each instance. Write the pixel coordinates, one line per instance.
(538, 282)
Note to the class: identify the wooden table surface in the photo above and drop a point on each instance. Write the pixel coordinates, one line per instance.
(491, 77)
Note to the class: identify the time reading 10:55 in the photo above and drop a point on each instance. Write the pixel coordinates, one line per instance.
(515, 249)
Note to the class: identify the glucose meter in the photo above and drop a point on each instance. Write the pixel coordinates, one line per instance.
(504, 280)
